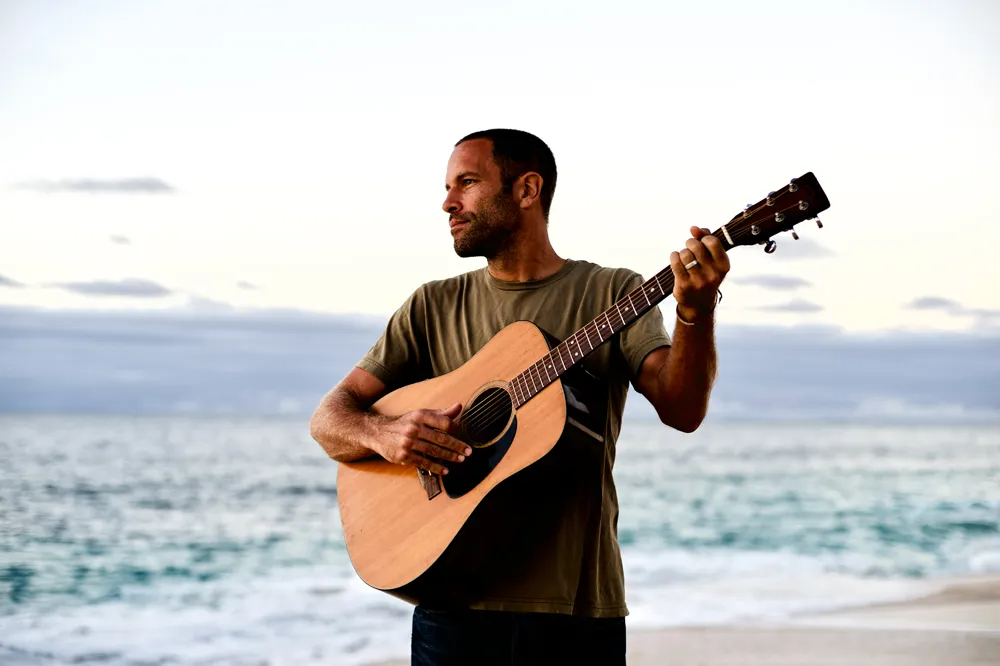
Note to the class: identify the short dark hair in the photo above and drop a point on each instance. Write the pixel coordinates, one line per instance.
(516, 153)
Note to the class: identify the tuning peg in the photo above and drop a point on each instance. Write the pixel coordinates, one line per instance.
(818, 223)
(795, 235)
(770, 246)
(770, 198)
(793, 186)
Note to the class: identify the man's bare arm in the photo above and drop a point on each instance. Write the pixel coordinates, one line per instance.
(343, 425)
(678, 380)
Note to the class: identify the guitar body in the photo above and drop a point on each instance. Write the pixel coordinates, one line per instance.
(393, 530)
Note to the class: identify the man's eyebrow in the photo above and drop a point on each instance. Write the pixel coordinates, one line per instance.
(464, 174)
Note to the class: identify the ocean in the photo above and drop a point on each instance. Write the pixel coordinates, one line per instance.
(148, 540)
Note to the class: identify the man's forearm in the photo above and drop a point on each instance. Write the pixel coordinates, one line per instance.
(687, 377)
(343, 427)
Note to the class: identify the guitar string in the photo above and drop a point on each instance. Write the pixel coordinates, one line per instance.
(493, 408)
(485, 413)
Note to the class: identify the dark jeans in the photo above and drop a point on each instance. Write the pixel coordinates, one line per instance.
(498, 638)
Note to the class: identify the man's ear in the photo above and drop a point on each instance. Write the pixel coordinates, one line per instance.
(527, 189)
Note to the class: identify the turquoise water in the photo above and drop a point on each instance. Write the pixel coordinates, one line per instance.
(177, 541)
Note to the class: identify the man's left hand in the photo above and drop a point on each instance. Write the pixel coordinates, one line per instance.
(696, 288)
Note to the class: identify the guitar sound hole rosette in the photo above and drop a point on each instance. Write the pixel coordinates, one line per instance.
(488, 415)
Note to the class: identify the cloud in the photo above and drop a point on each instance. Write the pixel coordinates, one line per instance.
(9, 282)
(803, 248)
(200, 304)
(951, 307)
(933, 303)
(249, 286)
(197, 361)
(796, 305)
(98, 186)
(778, 282)
(121, 240)
(131, 287)
(270, 361)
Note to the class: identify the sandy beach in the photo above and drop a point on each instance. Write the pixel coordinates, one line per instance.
(956, 626)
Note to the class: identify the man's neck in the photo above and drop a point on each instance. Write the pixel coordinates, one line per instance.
(529, 256)
(525, 269)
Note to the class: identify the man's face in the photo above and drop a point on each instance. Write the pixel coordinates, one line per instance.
(481, 213)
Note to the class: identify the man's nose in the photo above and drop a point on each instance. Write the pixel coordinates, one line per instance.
(450, 205)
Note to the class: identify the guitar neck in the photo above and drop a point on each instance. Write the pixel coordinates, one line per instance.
(599, 330)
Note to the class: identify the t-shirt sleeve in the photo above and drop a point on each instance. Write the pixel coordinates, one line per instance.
(399, 355)
(644, 335)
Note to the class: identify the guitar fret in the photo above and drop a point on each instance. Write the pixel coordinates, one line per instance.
(513, 385)
(648, 304)
(597, 330)
(588, 339)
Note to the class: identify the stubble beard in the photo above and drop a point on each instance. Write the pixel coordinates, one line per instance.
(488, 231)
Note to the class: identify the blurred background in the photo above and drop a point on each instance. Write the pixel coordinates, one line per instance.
(209, 209)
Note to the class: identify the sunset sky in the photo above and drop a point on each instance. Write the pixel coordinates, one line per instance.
(207, 155)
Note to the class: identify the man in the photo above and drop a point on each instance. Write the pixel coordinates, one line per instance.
(563, 600)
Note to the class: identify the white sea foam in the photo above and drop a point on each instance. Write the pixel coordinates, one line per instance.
(682, 588)
(316, 615)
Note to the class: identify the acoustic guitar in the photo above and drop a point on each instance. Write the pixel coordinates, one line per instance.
(522, 395)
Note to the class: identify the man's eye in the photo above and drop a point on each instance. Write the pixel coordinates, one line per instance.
(468, 181)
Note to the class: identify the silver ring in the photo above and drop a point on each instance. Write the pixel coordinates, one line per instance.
(690, 264)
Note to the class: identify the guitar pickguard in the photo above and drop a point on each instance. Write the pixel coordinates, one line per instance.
(467, 475)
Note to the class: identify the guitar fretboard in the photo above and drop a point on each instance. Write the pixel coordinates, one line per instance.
(599, 330)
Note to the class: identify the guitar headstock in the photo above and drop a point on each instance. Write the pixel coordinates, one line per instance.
(802, 199)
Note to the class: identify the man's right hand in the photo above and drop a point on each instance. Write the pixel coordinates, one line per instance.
(422, 438)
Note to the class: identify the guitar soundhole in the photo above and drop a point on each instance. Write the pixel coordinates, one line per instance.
(487, 417)
(490, 427)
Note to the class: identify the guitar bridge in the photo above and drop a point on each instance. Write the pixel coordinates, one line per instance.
(430, 482)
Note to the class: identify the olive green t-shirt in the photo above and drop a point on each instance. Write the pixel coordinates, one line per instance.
(574, 566)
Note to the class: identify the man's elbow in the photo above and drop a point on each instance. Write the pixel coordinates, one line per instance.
(686, 422)
(686, 427)
(319, 430)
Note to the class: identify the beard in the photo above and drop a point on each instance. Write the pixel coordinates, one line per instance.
(489, 230)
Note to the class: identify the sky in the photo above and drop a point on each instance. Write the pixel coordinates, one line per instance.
(287, 159)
